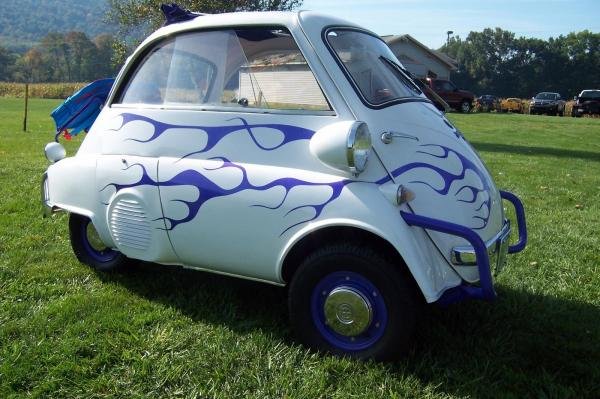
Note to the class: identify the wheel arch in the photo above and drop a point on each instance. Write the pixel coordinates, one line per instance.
(315, 238)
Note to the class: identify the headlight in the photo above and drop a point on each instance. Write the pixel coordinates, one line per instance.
(343, 145)
(358, 147)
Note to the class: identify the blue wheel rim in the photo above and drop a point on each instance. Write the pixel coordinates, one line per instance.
(102, 256)
(378, 324)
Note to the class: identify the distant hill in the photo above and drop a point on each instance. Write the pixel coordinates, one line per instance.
(23, 23)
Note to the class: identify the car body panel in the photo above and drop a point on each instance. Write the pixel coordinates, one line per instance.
(232, 190)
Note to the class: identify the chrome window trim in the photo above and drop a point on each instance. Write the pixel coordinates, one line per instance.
(216, 108)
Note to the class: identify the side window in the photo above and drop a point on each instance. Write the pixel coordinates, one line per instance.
(237, 68)
(448, 86)
(148, 84)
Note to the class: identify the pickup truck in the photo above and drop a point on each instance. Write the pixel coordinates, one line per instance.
(459, 99)
(587, 102)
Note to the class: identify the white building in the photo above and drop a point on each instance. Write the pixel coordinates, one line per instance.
(420, 60)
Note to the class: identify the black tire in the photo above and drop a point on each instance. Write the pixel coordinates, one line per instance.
(91, 251)
(345, 266)
(465, 106)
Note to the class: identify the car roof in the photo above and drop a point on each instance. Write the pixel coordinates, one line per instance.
(252, 18)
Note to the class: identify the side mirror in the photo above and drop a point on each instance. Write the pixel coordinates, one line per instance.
(575, 98)
(55, 152)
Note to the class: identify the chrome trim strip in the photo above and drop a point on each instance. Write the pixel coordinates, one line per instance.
(465, 255)
(47, 209)
(224, 109)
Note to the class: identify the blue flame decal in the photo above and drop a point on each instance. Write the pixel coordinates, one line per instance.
(449, 178)
(217, 133)
(209, 190)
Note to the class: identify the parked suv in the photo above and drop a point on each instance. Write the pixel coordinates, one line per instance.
(487, 103)
(547, 103)
(459, 99)
(587, 102)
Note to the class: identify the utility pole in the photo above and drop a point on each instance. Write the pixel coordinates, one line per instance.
(26, 106)
(448, 40)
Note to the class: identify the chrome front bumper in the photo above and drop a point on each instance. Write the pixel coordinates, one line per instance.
(47, 208)
(497, 250)
(499, 247)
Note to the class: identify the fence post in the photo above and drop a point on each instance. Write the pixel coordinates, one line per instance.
(26, 106)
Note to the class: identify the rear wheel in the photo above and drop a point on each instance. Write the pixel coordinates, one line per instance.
(89, 248)
(350, 300)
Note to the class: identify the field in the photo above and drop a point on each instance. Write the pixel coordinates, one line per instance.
(66, 331)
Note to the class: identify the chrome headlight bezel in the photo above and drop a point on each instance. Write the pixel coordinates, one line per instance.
(358, 147)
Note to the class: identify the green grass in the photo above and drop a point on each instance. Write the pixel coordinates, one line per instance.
(66, 331)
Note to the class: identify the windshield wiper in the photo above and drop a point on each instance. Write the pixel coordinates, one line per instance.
(406, 76)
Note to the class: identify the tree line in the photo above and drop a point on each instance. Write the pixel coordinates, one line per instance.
(494, 61)
(61, 57)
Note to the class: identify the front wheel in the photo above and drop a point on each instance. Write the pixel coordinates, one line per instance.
(89, 248)
(349, 300)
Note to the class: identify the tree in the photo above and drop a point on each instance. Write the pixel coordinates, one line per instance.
(57, 55)
(66, 57)
(496, 62)
(143, 16)
(82, 56)
(31, 67)
(104, 47)
(6, 62)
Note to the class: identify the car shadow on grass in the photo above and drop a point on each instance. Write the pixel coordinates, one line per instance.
(522, 345)
(241, 305)
(529, 150)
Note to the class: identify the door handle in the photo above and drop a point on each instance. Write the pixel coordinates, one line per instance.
(388, 137)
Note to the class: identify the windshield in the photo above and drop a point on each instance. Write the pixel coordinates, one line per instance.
(374, 70)
(591, 94)
(546, 96)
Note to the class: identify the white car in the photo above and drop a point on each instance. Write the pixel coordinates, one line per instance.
(294, 149)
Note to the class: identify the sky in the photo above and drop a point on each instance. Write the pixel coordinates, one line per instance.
(429, 20)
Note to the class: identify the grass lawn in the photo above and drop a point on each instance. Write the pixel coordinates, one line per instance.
(66, 331)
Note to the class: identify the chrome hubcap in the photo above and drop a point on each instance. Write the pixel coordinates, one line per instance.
(347, 311)
(94, 238)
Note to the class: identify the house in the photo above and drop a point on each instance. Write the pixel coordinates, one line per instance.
(420, 60)
(284, 79)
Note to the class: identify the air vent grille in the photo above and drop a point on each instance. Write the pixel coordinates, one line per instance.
(129, 225)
